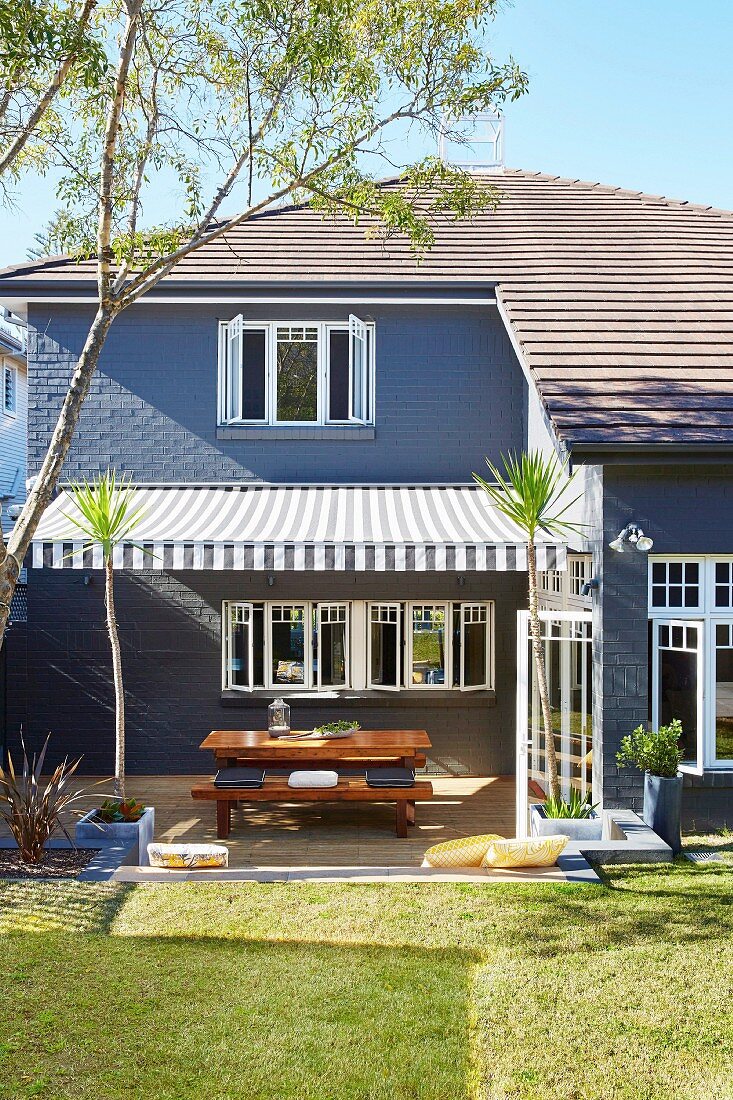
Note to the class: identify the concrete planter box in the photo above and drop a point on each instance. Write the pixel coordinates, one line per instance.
(577, 828)
(135, 835)
(663, 807)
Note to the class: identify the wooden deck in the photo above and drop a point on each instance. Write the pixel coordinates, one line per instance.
(330, 834)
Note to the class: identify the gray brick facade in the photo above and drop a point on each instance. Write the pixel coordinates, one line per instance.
(170, 626)
(449, 391)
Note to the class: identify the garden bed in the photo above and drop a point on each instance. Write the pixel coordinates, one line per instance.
(61, 863)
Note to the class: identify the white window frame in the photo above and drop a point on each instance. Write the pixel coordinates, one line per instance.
(397, 607)
(712, 684)
(710, 616)
(229, 607)
(357, 330)
(489, 632)
(10, 371)
(319, 609)
(694, 767)
(358, 652)
(683, 559)
(270, 681)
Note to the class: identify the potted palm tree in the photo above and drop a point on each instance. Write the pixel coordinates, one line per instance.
(104, 512)
(657, 753)
(531, 492)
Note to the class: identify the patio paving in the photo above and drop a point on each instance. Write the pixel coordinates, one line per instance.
(339, 834)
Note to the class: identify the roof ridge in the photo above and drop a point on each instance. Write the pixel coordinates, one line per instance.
(645, 197)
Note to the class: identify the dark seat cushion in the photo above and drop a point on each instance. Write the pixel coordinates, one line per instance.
(390, 777)
(240, 777)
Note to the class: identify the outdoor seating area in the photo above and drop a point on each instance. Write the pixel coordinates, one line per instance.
(364, 766)
(347, 833)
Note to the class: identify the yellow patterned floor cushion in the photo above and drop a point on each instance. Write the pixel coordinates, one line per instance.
(466, 852)
(188, 856)
(536, 851)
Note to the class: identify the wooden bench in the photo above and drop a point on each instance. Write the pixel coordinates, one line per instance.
(276, 789)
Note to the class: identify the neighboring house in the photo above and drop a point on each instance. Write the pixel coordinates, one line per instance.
(13, 446)
(13, 415)
(301, 409)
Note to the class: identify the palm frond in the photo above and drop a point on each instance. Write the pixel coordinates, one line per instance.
(106, 509)
(529, 492)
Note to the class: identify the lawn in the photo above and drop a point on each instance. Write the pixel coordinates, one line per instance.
(372, 992)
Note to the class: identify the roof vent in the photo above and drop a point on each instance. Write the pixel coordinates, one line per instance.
(474, 143)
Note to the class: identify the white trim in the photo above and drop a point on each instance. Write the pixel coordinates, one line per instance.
(697, 766)
(12, 370)
(319, 608)
(323, 330)
(397, 607)
(15, 304)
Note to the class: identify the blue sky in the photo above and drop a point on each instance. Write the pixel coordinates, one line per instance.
(637, 93)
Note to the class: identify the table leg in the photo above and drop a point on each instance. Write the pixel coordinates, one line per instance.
(410, 813)
(401, 818)
(223, 818)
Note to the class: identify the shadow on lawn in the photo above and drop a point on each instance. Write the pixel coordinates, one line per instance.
(271, 1020)
(64, 906)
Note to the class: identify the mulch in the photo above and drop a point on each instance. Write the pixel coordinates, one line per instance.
(56, 863)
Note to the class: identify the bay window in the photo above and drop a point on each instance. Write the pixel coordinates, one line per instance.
(386, 646)
(279, 373)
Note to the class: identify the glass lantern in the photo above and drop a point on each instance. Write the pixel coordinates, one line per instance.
(278, 718)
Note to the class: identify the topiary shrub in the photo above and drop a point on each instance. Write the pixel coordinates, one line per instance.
(654, 751)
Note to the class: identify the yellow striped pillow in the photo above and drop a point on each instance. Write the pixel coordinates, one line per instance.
(537, 851)
(466, 852)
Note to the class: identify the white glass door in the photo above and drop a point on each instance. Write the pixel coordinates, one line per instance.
(678, 684)
(566, 639)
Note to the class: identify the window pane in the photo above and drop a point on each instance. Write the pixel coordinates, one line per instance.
(288, 645)
(333, 645)
(474, 656)
(239, 647)
(253, 372)
(428, 644)
(258, 645)
(385, 656)
(297, 375)
(723, 696)
(678, 696)
(338, 376)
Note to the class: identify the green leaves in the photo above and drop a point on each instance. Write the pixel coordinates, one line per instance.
(575, 807)
(531, 492)
(105, 511)
(255, 102)
(655, 751)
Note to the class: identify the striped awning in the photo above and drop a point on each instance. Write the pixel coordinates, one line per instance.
(303, 527)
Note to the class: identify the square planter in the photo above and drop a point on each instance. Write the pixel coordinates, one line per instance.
(130, 834)
(577, 828)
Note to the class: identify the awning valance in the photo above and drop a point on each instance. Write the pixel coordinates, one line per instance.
(303, 527)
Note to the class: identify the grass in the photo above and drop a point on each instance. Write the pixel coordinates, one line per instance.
(371, 992)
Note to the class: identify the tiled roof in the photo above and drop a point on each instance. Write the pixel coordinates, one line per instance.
(621, 302)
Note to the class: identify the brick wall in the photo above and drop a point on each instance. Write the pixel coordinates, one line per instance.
(170, 630)
(448, 392)
(686, 510)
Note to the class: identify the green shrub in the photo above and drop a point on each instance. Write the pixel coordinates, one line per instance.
(655, 751)
(577, 806)
(114, 810)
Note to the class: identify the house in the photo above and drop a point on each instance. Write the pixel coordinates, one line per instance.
(13, 429)
(301, 407)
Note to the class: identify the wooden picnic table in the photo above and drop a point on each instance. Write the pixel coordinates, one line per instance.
(361, 750)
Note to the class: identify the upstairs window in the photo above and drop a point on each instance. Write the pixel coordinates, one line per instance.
(281, 373)
(10, 376)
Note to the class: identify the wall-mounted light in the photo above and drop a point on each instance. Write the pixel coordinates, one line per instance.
(88, 579)
(461, 582)
(590, 586)
(270, 579)
(634, 536)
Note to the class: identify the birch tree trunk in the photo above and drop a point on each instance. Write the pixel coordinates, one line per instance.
(114, 641)
(535, 630)
(12, 555)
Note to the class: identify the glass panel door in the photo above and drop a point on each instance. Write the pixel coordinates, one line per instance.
(723, 693)
(566, 638)
(678, 684)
